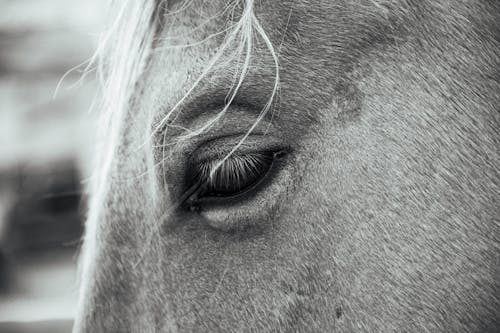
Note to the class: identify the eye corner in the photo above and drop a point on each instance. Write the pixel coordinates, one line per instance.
(281, 154)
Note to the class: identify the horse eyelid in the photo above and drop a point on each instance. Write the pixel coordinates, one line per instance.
(202, 184)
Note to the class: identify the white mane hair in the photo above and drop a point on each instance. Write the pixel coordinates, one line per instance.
(121, 58)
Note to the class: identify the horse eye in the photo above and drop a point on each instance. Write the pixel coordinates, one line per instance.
(236, 175)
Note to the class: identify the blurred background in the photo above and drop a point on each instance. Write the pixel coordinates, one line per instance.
(45, 149)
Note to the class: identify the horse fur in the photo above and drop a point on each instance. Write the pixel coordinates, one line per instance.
(385, 216)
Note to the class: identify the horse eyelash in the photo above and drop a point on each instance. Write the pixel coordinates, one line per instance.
(204, 179)
(234, 172)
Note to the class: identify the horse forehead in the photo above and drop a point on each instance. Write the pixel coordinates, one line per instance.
(324, 34)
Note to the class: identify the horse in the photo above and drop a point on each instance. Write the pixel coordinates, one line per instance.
(296, 166)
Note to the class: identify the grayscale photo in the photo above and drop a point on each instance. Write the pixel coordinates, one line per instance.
(222, 166)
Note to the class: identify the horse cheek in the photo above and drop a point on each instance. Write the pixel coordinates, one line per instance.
(412, 203)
